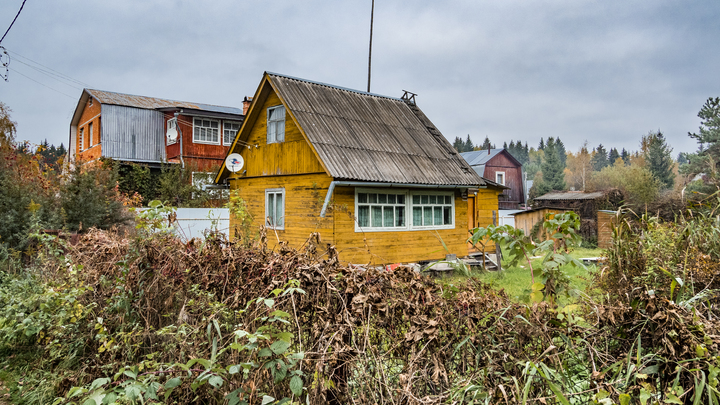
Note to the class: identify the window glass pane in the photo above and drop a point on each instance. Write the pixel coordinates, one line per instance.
(447, 216)
(377, 216)
(364, 216)
(424, 199)
(382, 198)
(280, 131)
(416, 199)
(400, 216)
(432, 199)
(448, 199)
(279, 211)
(391, 198)
(417, 216)
(427, 216)
(362, 198)
(400, 199)
(437, 216)
(271, 208)
(388, 217)
(372, 198)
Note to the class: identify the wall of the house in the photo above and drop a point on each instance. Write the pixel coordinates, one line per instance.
(201, 156)
(515, 195)
(398, 246)
(294, 155)
(304, 197)
(132, 133)
(91, 147)
(485, 203)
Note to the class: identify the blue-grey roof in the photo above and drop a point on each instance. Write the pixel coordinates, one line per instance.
(480, 157)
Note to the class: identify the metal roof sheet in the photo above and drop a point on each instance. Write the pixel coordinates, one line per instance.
(152, 103)
(479, 157)
(368, 137)
(570, 195)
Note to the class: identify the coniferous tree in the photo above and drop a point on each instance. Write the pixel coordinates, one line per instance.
(659, 159)
(613, 156)
(625, 155)
(552, 168)
(469, 147)
(541, 146)
(505, 145)
(458, 144)
(562, 153)
(682, 158)
(600, 159)
(707, 158)
(486, 145)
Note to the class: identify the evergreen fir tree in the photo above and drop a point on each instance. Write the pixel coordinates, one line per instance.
(552, 168)
(469, 147)
(613, 156)
(486, 145)
(659, 160)
(562, 153)
(505, 145)
(541, 146)
(458, 144)
(600, 159)
(625, 155)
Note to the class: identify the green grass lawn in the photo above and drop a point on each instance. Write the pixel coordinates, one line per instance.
(516, 280)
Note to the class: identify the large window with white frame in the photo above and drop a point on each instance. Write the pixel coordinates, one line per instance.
(275, 208)
(500, 178)
(403, 210)
(230, 129)
(276, 124)
(206, 131)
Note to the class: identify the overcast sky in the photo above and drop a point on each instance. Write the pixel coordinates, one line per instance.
(602, 71)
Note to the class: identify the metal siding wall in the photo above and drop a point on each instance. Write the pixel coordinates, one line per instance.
(132, 133)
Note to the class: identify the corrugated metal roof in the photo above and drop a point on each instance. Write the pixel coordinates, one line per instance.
(152, 103)
(479, 157)
(570, 195)
(368, 137)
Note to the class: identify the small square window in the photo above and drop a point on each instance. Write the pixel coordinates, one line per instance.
(275, 208)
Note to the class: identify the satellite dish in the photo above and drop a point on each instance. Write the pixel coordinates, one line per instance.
(234, 162)
(171, 134)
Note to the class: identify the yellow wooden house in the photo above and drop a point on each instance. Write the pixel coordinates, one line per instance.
(370, 173)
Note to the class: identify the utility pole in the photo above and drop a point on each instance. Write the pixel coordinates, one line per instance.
(372, 13)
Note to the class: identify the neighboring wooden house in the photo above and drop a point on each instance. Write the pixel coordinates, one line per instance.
(501, 167)
(151, 130)
(370, 173)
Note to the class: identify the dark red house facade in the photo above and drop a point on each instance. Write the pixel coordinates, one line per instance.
(500, 166)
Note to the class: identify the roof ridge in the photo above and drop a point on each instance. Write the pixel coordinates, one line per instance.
(160, 98)
(334, 86)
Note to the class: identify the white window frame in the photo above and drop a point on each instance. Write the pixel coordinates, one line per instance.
(81, 140)
(172, 123)
(196, 127)
(238, 123)
(90, 135)
(503, 178)
(408, 193)
(275, 123)
(275, 191)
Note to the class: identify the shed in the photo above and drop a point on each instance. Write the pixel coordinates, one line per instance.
(501, 167)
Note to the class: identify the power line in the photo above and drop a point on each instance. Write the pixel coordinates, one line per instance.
(48, 70)
(13, 21)
(45, 85)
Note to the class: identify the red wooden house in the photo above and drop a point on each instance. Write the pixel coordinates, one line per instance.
(500, 166)
(151, 131)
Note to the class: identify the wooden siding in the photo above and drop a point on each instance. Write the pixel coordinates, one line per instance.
(397, 246)
(527, 220)
(201, 155)
(515, 195)
(485, 202)
(304, 196)
(605, 224)
(293, 156)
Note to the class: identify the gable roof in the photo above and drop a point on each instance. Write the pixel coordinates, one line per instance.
(152, 103)
(481, 157)
(366, 137)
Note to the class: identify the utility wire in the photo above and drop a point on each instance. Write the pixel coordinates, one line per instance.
(13, 21)
(45, 85)
(48, 70)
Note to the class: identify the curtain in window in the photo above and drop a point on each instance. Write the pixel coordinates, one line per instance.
(279, 214)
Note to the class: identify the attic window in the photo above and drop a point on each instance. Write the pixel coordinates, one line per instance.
(500, 178)
(276, 124)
